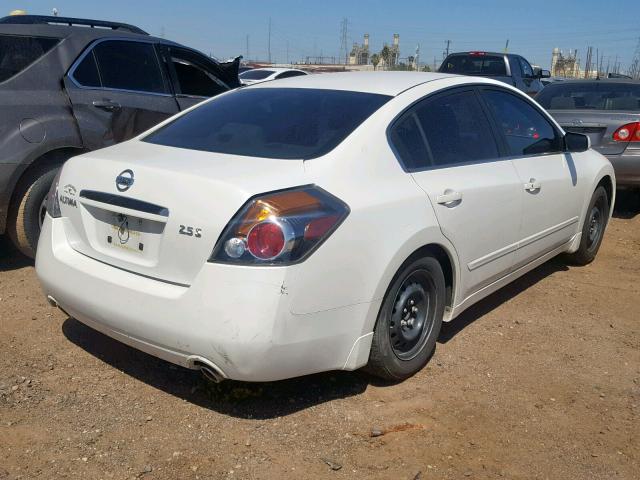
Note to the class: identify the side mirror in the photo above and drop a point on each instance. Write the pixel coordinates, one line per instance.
(545, 74)
(576, 142)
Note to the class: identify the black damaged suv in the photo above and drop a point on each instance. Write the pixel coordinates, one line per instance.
(70, 85)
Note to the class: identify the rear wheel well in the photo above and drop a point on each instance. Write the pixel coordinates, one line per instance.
(607, 184)
(40, 164)
(443, 258)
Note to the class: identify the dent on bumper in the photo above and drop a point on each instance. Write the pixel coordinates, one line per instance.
(236, 317)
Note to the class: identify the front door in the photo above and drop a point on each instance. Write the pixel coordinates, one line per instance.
(548, 177)
(118, 91)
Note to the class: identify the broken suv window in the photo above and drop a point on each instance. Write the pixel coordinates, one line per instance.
(18, 52)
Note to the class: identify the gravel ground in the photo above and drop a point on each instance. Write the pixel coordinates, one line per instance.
(540, 380)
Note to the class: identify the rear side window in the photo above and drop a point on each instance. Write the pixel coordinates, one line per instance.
(127, 65)
(478, 64)
(284, 123)
(407, 138)
(599, 95)
(456, 129)
(18, 52)
(526, 130)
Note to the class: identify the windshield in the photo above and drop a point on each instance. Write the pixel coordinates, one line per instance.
(285, 123)
(485, 65)
(255, 74)
(596, 95)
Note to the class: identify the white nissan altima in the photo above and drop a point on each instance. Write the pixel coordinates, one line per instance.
(320, 222)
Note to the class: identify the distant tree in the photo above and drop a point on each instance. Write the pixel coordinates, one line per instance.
(426, 68)
(385, 53)
(375, 60)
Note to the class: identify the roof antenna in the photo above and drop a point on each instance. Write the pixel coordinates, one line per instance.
(54, 11)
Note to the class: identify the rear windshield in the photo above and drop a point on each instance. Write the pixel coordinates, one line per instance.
(485, 65)
(591, 96)
(255, 74)
(18, 52)
(286, 123)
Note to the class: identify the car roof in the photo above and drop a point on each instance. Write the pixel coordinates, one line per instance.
(383, 83)
(582, 81)
(62, 27)
(278, 69)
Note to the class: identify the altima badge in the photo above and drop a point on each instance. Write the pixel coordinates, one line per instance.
(124, 181)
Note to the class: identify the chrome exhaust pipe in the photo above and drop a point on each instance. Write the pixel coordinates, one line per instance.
(208, 369)
(210, 374)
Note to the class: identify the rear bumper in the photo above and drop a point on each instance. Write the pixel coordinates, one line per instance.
(627, 168)
(237, 318)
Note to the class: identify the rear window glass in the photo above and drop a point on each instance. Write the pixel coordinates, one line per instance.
(18, 52)
(255, 74)
(286, 123)
(591, 96)
(485, 65)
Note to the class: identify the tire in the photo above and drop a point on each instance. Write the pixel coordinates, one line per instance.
(409, 320)
(593, 229)
(26, 211)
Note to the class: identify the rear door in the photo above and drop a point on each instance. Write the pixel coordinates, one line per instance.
(194, 76)
(448, 145)
(549, 181)
(118, 91)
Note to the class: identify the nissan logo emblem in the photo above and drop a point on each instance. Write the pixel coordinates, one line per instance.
(124, 180)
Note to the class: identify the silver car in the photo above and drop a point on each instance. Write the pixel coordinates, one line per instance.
(606, 110)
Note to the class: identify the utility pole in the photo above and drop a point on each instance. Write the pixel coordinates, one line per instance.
(447, 50)
(247, 49)
(269, 43)
(287, 51)
(587, 64)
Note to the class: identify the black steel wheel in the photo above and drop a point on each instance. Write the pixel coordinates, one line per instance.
(593, 229)
(409, 320)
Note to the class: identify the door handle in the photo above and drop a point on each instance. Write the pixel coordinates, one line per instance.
(449, 198)
(108, 105)
(532, 185)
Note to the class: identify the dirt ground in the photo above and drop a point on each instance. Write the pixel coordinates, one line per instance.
(541, 380)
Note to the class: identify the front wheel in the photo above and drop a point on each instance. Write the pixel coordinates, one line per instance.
(593, 229)
(409, 321)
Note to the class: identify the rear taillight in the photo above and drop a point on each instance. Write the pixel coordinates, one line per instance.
(628, 133)
(280, 228)
(52, 203)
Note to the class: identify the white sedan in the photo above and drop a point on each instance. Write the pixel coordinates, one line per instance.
(257, 75)
(318, 223)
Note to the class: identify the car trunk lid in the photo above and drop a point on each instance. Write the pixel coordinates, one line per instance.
(158, 211)
(599, 126)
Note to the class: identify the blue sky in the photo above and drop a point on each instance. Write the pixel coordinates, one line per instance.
(312, 28)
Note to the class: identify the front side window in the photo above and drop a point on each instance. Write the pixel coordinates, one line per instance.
(525, 129)
(18, 52)
(457, 130)
(127, 65)
(283, 123)
(194, 80)
(527, 71)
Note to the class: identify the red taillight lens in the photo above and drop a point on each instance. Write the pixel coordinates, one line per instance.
(628, 133)
(266, 240)
(280, 228)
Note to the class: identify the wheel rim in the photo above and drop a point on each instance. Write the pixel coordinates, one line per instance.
(595, 226)
(412, 316)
